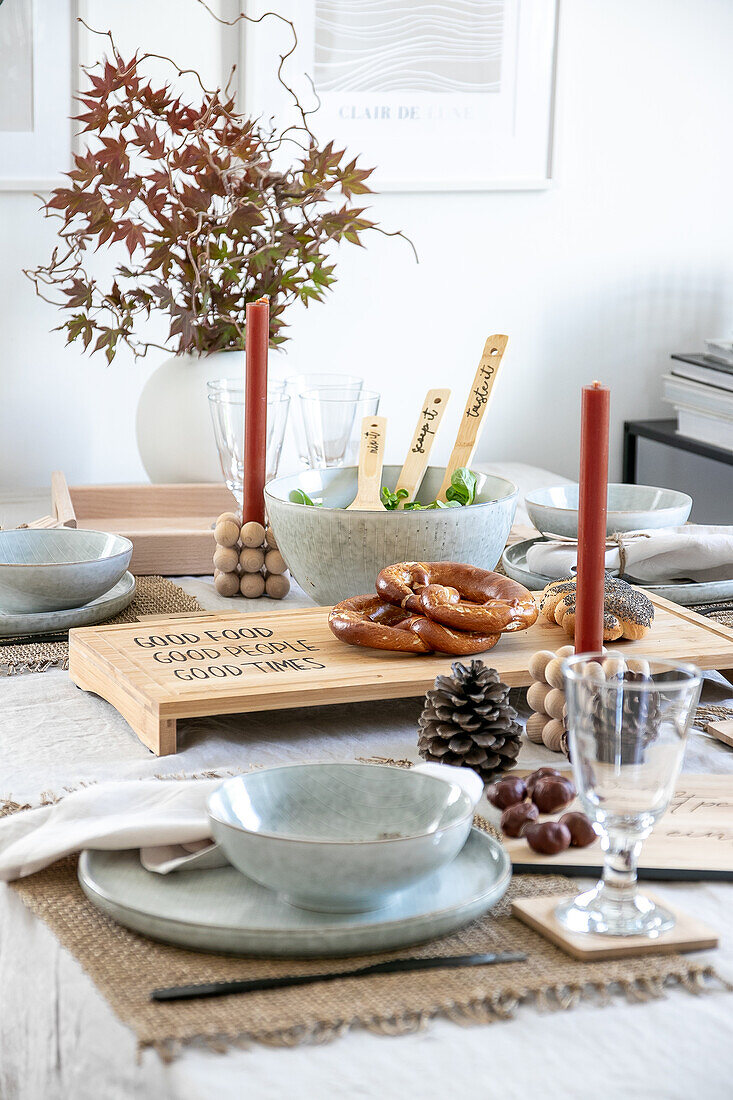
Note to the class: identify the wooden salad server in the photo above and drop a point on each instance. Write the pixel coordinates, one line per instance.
(475, 410)
(418, 455)
(371, 461)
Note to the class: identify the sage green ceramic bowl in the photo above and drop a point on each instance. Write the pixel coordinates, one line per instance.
(340, 838)
(54, 569)
(554, 511)
(334, 554)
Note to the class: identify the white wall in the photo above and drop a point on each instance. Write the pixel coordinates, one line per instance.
(629, 256)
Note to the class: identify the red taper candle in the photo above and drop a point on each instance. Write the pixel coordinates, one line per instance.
(592, 507)
(257, 338)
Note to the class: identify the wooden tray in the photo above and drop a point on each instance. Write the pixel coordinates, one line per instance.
(170, 526)
(693, 840)
(233, 662)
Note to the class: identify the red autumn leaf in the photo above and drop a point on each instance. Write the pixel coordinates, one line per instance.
(135, 238)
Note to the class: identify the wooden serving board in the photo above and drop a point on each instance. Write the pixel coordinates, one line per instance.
(170, 526)
(692, 841)
(232, 662)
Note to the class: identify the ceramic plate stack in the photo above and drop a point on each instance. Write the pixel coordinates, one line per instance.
(686, 593)
(554, 512)
(357, 858)
(54, 579)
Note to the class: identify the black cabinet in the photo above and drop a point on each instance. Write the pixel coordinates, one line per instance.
(654, 454)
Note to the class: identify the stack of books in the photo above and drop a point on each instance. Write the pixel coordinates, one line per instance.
(701, 389)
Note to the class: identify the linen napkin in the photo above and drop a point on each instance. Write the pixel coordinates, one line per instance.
(695, 552)
(165, 818)
(141, 813)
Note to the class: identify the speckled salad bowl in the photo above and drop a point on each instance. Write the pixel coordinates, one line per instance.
(339, 838)
(334, 554)
(58, 568)
(554, 511)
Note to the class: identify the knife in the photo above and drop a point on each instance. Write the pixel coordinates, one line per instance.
(395, 966)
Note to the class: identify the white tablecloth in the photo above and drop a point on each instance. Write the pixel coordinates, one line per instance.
(59, 1038)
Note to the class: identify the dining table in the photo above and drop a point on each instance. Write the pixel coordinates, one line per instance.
(60, 1038)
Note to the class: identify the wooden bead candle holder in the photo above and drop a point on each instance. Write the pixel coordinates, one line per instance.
(547, 725)
(247, 561)
(546, 698)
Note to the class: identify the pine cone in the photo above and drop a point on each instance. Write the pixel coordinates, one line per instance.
(467, 720)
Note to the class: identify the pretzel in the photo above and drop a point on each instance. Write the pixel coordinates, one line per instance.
(459, 596)
(372, 622)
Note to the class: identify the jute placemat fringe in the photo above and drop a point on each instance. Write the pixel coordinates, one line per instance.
(708, 713)
(478, 1012)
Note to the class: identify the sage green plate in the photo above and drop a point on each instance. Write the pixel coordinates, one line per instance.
(221, 910)
(20, 624)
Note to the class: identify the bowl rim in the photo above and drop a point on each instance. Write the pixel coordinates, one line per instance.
(683, 499)
(126, 549)
(468, 815)
(401, 513)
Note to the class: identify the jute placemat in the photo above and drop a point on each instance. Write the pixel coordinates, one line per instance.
(153, 596)
(125, 967)
(718, 612)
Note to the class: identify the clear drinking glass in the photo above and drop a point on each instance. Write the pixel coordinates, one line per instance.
(332, 418)
(274, 385)
(226, 404)
(296, 384)
(627, 732)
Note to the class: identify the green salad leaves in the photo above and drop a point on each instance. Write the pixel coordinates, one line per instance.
(298, 496)
(460, 493)
(462, 488)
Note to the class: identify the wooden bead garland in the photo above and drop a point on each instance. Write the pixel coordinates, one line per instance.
(247, 561)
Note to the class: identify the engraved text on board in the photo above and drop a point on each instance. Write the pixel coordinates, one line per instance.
(227, 652)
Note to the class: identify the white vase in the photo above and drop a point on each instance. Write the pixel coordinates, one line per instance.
(175, 436)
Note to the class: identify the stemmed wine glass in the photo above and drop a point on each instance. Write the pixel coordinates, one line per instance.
(627, 730)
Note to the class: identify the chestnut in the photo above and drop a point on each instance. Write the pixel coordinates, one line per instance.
(547, 837)
(506, 792)
(552, 793)
(535, 776)
(517, 816)
(581, 829)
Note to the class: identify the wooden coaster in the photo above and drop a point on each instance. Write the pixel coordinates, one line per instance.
(688, 934)
(723, 730)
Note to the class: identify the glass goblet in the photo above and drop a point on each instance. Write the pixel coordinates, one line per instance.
(226, 404)
(627, 732)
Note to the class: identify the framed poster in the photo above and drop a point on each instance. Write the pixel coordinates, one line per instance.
(441, 96)
(35, 93)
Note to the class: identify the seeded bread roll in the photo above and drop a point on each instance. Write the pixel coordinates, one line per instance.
(628, 613)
